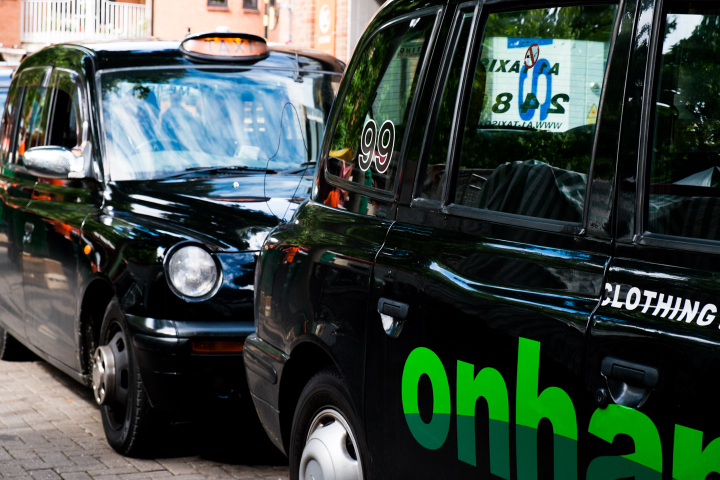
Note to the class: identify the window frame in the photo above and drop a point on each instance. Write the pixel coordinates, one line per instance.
(642, 236)
(82, 107)
(436, 102)
(371, 192)
(22, 85)
(15, 94)
(223, 6)
(444, 206)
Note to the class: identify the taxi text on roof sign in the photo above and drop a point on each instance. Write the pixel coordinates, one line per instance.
(224, 46)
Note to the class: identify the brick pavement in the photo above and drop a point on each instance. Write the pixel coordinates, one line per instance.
(50, 428)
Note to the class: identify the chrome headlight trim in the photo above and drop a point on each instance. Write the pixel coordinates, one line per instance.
(172, 252)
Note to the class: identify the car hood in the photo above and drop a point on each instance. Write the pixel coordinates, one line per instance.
(230, 212)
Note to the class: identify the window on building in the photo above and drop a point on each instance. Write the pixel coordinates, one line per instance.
(684, 173)
(250, 4)
(217, 3)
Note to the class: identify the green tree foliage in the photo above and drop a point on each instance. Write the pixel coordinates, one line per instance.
(591, 23)
(364, 97)
(687, 118)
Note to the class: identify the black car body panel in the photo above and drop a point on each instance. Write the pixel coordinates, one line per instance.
(593, 341)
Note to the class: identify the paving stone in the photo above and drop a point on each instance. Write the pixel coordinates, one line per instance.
(50, 428)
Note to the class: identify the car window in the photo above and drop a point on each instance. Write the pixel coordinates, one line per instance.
(162, 121)
(32, 124)
(434, 179)
(8, 124)
(66, 121)
(684, 173)
(529, 127)
(366, 142)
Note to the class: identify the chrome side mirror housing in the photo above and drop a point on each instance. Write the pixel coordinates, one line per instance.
(55, 162)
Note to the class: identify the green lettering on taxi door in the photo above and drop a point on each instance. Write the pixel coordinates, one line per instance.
(490, 385)
(555, 405)
(645, 463)
(690, 461)
(423, 361)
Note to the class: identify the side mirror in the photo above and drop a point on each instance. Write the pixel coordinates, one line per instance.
(54, 162)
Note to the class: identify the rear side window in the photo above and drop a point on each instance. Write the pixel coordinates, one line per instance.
(684, 173)
(527, 140)
(369, 132)
(66, 121)
(8, 125)
(33, 121)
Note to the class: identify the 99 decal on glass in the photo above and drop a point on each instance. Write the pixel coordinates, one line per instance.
(376, 146)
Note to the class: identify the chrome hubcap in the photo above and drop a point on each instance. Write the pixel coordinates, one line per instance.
(110, 372)
(331, 451)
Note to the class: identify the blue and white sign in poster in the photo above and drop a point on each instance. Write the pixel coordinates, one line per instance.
(542, 83)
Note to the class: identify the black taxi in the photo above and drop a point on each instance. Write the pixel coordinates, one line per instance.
(509, 264)
(138, 180)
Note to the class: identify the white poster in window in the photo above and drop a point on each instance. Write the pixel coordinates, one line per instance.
(541, 83)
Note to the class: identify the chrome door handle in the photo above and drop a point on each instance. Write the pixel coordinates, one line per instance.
(29, 229)
(393, 308)
(393, 315)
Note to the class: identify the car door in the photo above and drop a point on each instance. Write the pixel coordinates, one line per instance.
(322, 260)
(653, 349)
(486, 282)
(53, 220)
(24, 126)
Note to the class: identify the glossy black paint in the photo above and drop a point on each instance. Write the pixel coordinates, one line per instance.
(476, 284)
(70, 245)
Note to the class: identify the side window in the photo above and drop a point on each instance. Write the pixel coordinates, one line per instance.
(366, 141)
(33, 121)
(67, 117)
(684, 173)
(529, 128)
(8, 125)
(435, 175)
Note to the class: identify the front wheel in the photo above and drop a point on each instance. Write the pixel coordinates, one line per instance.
(118, 388)
(326, 442)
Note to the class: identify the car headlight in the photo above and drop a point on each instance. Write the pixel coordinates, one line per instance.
(192, 272)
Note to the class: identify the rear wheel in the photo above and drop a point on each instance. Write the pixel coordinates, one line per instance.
(118, 388)
(10, 348)
(326, 441)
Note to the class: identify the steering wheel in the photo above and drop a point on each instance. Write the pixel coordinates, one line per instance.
(158, 141)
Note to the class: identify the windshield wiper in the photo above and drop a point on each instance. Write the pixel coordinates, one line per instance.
(222, 168)
(217, 169)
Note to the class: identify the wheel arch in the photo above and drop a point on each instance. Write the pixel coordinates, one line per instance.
(306, 359)
(95, 299)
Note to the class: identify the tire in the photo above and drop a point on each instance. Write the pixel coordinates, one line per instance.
(126, 418)
(10, 348)
(326, 436)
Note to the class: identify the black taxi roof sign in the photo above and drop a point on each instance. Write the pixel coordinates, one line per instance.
(216, 46)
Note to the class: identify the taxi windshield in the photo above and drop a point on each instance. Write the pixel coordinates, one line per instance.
(161, 122)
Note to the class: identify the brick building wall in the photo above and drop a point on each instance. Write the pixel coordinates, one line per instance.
(341, 33)
(303, 24)
(172, 18)
(10, 23)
